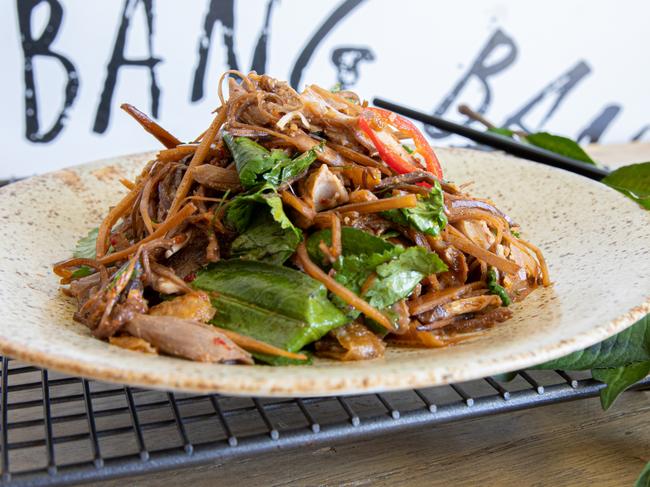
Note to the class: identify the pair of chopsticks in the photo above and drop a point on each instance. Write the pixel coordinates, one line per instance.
(496, 141)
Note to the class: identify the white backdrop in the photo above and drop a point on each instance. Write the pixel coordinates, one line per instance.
(579, 68)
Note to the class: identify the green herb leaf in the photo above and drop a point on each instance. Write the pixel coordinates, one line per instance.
(633, 181)
(275, 360)
(627, 347)
(619, 379)
(275, 304)
(644, 477)
(86, 246)
(255, 164)
(336, 88)
(398, 271)
(502, 131)
(495, 288)
(251, 159)
(287, 169)
(240, 209)
(408, 149)
(353, 242)
(428, 216)
(559, 145)
(83, 271)
(265, 240)
(397, 278)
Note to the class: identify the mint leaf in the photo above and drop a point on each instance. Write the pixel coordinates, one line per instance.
(397, 271)
(287, 169)
(239, 212)
(251, 159)
(265, 240)
(559, 145)
(86, 246)
(256, 164)
(618, 379)
(397, 277)
(271, 303)
(428, 216)
(627, 347)
(644, 477)
(633, 181)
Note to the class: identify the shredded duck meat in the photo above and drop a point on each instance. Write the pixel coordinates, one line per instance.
(429, 265)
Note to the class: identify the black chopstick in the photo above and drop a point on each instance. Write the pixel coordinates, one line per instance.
(506, 144)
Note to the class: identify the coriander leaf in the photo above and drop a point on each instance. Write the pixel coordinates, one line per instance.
(559, 145)
(618, 379)
(271, 303)
(265, 240)
(428, 216)
(627, 347)
(644, 477)
(353, 242)
(633, 181)
(251, 159)
(336, 88)
(241, 208)
(502, 131)
(85, 248)
(494, 287)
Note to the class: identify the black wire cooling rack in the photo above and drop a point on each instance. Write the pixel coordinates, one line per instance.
(60, 430)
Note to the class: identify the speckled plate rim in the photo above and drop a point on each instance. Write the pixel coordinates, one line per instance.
(303, 384)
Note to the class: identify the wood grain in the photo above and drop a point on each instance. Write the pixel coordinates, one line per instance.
(571, 444)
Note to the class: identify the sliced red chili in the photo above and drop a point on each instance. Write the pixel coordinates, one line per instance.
(372, 121)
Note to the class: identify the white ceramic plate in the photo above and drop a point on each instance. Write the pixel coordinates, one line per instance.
(595, 240)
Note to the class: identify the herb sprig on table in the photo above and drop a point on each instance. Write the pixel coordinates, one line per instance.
(623, 359)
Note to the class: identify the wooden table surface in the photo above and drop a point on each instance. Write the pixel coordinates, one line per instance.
(570, 444)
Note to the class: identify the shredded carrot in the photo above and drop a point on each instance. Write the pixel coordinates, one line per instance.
(165, 138)
(375, 206)
(368, 284)
(159, 232)
(297, 204)
(359, 158)
(429, 301)
(460, 241)
(327, 252)
(113, 215)
(197, 159)
(252, 345)
(341, 291)
(336, 248)
(144, 204)
(127, 184)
